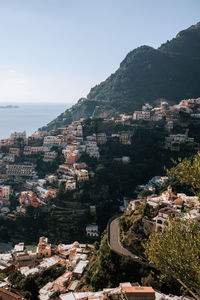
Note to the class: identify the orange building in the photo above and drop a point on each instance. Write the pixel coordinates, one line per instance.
(44, 248)
(52, 193)
(138, 292)
(14, 151)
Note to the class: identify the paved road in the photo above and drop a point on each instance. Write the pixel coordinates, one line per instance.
(114, 239)
(116, 246)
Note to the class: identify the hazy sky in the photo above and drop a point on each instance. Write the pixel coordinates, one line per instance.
(56, 50)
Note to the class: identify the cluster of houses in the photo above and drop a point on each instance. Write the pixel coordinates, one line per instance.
(174, 141)
(36, 191)
(17, 163)
(170, 115)
(190, 107)
(17, 156)
(74, 257)
(125, 291)
(165, 207)
(153, 183)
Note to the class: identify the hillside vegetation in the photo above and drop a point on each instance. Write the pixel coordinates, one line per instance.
(145, 75)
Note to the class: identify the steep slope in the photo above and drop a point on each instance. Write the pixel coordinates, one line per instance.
(145, 75)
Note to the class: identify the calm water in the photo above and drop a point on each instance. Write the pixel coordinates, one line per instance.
(28, 117)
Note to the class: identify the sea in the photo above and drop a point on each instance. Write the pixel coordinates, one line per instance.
(28, 116)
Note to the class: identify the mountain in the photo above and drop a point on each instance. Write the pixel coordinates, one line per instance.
(145, 75)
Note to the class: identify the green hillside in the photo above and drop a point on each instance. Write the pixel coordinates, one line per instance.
(145, 75)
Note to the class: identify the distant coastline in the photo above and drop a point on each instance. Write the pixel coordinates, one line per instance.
(9, 106)
(28, 116)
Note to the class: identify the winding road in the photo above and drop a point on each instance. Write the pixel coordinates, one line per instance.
(115, 244)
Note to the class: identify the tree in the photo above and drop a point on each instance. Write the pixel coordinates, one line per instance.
(176, 252)
(99, 168)
(96, 245)
(13, 202)
(145, 193)
(4, 149)
(15, 277)
(29, 285)
(187, 172)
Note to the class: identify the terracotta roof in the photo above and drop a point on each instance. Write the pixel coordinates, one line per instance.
(138, 289)
(178, 201)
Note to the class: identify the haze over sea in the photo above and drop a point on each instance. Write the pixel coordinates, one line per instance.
(28, 116)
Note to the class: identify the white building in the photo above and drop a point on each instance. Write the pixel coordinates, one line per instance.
(42, 192)
(79, 130)
(101, 138)
(5, 192)
(82, 175)
(50, 141)
(94, 154)
(18, 135)
(46, 292)
(18, 248)
(9, 158)
(39, 134)
(70, 185)
(49, 156)
(92, 230)
(20, 170)
(162, 219)
(78, 270)
(91, 137)
(142, 115)
(52, 178)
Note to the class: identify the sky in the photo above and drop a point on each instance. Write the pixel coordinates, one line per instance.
(56, 50)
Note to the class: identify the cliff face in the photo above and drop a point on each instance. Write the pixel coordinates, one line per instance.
(145, 75)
